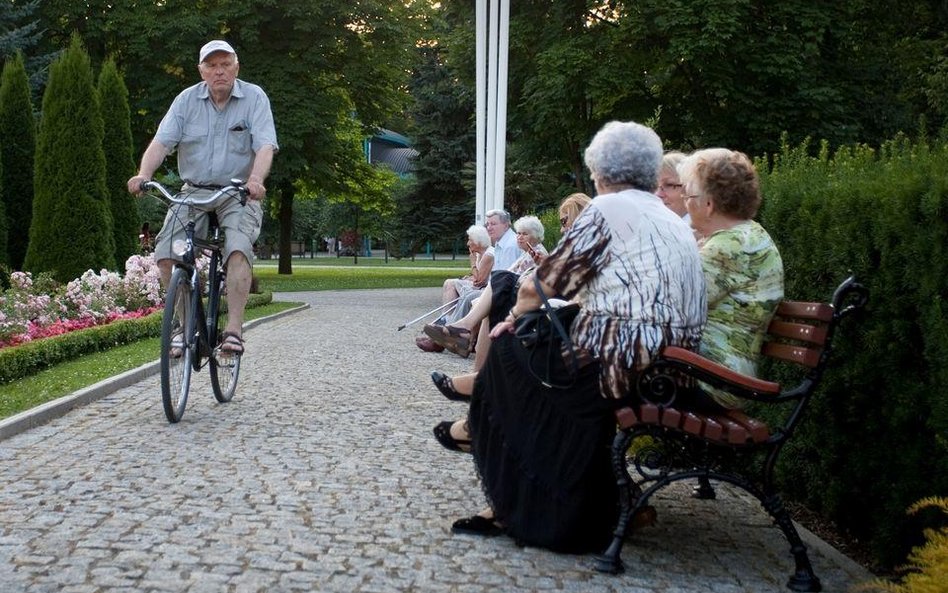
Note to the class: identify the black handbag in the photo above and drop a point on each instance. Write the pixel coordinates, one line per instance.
(544, 334)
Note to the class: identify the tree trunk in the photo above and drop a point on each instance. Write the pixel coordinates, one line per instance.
(287, 192)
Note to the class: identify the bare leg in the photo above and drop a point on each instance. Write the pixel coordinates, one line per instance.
(449, 291)
(464, 383)
(164, 268)
(483, 345)
(480, 310)
(239, 274)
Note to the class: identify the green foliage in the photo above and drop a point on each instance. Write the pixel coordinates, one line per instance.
(927, 569)
(71, 230)
(4, 256)
(120, 166)
(21, 33)
(17, 149)
(438, 205)
(21, 361)
(874, 441)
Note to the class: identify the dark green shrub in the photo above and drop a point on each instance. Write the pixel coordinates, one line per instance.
(71, 229)
(875, 440)
(119, 163)
(17, 129)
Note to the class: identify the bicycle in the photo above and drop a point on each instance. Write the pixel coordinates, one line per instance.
(190, 334)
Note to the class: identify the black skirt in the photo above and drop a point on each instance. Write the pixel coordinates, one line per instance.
(543, 454)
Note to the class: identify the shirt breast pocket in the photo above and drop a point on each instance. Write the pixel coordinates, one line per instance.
(238, 138)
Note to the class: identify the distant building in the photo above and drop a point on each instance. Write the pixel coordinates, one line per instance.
(392, 150)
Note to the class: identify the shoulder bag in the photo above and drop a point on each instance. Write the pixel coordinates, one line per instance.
(544, 334)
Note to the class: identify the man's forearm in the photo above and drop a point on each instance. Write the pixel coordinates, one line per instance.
(261, 164)
(154, 155)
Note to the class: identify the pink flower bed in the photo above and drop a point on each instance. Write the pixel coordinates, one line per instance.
(36, 308)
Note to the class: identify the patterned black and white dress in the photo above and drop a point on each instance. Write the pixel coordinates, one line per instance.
(543, 454)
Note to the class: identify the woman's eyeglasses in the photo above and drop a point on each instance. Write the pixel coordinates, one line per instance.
(670, 186)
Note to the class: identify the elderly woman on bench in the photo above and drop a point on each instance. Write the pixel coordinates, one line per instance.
(742, 267)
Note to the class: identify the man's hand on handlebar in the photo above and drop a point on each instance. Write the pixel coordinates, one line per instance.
(255, 186)
(135, 184)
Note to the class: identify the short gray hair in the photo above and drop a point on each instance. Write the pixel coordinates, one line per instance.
(530, 225)
(625, 153)
(503, 215)
(478, 234)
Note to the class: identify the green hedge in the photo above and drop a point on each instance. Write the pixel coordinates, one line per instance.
(26, 359)
(877, 438)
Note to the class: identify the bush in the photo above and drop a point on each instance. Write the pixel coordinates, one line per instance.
(874, 442)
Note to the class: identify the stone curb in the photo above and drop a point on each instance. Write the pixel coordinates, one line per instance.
(58, 407)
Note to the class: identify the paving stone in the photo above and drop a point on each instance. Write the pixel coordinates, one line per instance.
(322, 475)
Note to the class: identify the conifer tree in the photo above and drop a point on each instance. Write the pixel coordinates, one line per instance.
(4, 258)
(119, 163)
(17, 151)
(71, 230)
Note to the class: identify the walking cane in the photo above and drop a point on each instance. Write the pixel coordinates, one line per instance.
(443, 307)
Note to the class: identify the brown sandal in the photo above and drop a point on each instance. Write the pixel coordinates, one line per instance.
(231, 343)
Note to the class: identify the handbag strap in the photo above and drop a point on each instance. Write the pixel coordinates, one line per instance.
(555, 322)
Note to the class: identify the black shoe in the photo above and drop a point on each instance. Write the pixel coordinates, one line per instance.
(477, 525)
(442, 432)
(445, 386)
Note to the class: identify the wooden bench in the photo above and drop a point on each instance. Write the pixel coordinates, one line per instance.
(724, 447)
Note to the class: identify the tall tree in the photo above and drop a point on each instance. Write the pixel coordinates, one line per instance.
(71, 230)
(20, 32)
(117, 145)
(17, 150)
(442, 112)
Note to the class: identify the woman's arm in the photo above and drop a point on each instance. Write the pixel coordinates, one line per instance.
(482, 273)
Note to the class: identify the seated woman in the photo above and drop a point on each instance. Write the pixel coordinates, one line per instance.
(670, 188)
(458, 335)
(461, 289)
(460, 387)
(742, 267)
(543, 453)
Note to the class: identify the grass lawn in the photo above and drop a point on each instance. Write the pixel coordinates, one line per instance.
(341, 277)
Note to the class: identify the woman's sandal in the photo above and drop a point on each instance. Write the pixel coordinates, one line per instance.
(446, 387)
(231, 343)
(442, 432)
(477, 525)
(456, 339)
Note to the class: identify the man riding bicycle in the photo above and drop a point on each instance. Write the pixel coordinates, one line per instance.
(222, 129)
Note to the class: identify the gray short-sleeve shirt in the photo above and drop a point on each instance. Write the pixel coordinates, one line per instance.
(217, 146)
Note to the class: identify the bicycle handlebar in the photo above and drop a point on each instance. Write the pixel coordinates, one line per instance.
(236, 186)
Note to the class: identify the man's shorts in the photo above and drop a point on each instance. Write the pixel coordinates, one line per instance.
(240, 224)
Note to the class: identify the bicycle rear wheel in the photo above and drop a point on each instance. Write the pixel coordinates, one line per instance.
(178, 345)
(225, 366)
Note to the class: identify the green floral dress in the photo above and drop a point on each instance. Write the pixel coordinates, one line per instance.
(744, 275)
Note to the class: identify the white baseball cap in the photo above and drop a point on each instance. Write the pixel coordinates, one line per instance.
(213, 46)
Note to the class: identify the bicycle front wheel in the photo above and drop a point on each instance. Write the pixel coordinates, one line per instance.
(225, 366)
(178, 345)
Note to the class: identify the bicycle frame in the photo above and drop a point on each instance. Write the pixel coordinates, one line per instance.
(189, 334)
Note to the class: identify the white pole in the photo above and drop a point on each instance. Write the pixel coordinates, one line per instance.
(480, 200)
(493, 23)
(501, 123)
